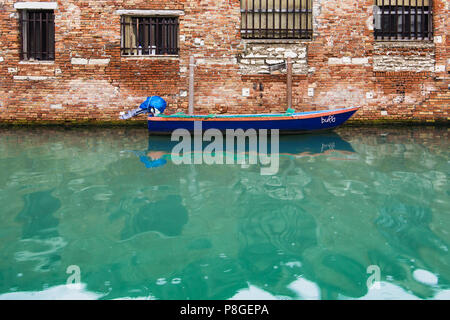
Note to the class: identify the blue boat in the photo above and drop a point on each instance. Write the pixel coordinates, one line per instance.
(286, 123)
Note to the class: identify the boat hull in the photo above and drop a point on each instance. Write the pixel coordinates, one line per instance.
(295, 123)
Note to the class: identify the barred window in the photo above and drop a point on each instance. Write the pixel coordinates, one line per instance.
(403, 20)
(37, 32)
(276, 19)
(146, 36)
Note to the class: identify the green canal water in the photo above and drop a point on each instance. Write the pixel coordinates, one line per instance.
(344, 208)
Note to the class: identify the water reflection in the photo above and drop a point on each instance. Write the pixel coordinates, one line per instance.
(40, 236)
(159, 150)
(219, 232)
(167, 217)
(406, 228)
(37, 216)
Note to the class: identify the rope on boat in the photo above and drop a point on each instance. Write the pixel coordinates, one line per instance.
(289, 112)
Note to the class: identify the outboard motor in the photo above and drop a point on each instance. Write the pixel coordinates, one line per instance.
(153, 105)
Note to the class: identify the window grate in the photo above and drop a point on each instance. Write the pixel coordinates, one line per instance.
(37, 31)
(403, 20)
(276, 19)
(145, 36)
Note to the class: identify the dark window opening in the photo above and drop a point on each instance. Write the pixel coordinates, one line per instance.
(276, 19)
(403, 20)
(144, 36)
(37, 31)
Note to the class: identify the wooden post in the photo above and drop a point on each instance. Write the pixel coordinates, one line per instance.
(289, 82)
(191, 84)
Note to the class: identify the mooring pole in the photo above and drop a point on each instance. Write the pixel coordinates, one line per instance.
(289, 82)
(191, 84)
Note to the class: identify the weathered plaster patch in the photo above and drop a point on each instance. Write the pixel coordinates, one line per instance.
(348, 60)
(379, 45)
(211, 61)
(79, 61)
(369, 23)
(364, 61)
(183, 69)
(342, 95)
(199, 42)
(317, 12)
(402, 63)
(335, 61)
(218, 94)
(150, 12)
(33, 78)
(439, 68)
(70, 19)
(389, 56)
(258, 57)
(426, 89)
(37, 62)
(99, 61)
(330, 41)
(29, 5)
(82, 61)
(98, 93)
(438, 39)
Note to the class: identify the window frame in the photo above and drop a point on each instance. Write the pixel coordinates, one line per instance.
(172, 44)
(47, 51)
(408, 18)
(304, 13)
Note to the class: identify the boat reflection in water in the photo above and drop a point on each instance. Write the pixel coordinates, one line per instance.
(159, 151)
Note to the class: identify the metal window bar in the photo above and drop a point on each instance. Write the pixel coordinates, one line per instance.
(37, 35)
(260, 16)
(422, 24)
(382, 21)
(396, 32)
(390, 16)
(253, 19)
(267, 18)
(276, 19)
(430, 20)
(416, 24)
(280, 22)
(405, 19)
(287, 21)
(293, 20)
(307, 19)
(143, 36)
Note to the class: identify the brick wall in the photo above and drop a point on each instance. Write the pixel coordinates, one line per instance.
(342, 66)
